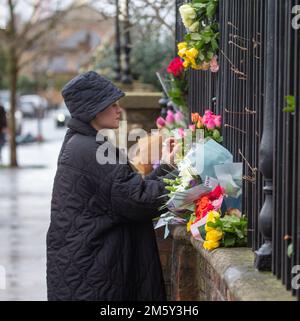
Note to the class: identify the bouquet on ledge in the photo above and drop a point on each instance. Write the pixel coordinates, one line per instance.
(227, 231)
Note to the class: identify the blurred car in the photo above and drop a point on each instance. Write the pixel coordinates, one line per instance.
(5, 102)
(62, 115)
(28, 109)
(33, 105)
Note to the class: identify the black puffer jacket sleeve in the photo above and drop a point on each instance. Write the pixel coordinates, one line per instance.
(160, 171)
(134, 198)
(163, 171)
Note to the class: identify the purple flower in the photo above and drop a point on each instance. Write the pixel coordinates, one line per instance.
(194, 182)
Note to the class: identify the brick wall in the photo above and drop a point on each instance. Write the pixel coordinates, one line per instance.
(193, 274)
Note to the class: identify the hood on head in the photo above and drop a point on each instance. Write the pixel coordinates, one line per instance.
(88, 94)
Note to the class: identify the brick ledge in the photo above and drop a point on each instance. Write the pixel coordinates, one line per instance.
(235, 268)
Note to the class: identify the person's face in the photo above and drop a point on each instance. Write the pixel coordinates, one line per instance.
(109, 118)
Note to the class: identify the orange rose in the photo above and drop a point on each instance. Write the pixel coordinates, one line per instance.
(195, 117)
(200, 123)
(203, 205)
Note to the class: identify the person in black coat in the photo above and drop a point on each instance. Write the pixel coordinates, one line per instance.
(101, 243)
(3, 128)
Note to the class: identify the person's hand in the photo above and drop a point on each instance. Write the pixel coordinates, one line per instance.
(169, 151)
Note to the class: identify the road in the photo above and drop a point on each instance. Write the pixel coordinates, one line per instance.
(25, 196)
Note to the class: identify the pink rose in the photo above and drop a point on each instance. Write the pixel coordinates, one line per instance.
(160, 122)
(214, 66)
(170, 119)
(208, 112)
(178, 117)
(192, 127)
(210, 124)
(218, 120)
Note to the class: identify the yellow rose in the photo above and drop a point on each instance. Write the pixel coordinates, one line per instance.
(182, 45)
(197, 67)
(211, 245)
(182, 52)
(192, 53)
(212, 216)
(214, 235)
(203, 66)
(186, 64)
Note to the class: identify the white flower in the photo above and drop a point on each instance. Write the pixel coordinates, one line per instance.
(194, 27)
(188, 14)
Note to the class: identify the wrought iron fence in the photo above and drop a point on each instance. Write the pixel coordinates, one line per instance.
(259, 60)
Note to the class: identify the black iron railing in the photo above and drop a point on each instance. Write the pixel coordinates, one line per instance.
(259, 66)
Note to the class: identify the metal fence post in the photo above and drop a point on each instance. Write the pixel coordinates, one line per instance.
(263, 257)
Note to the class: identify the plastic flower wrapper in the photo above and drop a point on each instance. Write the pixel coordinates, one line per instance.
(183, 189)
(204, 156)
(230, 178)
(185, 199)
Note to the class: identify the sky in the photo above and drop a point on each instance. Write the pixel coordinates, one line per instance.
(24, 7)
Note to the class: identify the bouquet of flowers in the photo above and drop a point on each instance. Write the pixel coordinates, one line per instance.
(227, 231)
(174, 123)
(207, 185)
(210, 123)
(199, 50)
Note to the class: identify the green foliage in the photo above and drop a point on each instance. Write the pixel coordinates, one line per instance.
(206, 38)
(26, 85)
(206, 8)
(150, 56)
(179, 90)
(234, 230)
(147, 57)
(291, 104)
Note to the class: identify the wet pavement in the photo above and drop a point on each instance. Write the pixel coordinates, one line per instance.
(25, 196)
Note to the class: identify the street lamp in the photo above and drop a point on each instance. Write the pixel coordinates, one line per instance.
(124, 17)
(118, 69)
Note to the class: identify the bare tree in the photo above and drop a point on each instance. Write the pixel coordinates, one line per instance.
(146, 16)
(17, 38)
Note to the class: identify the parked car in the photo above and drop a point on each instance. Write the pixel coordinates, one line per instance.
(28, 109)
(5, 102)
(33, 105)
(62, 115)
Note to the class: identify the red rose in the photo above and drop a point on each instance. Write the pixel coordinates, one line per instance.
(175, 67)
(216, 193)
